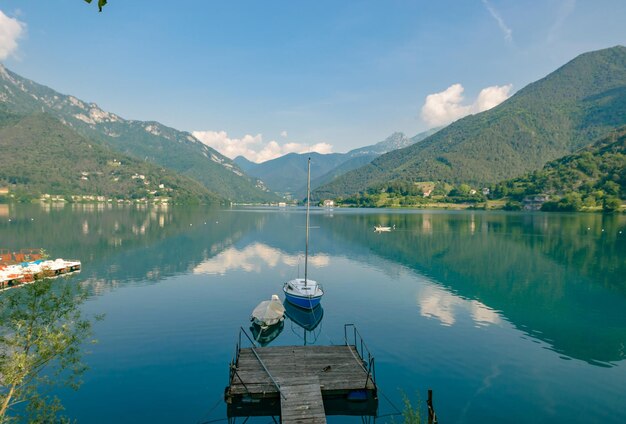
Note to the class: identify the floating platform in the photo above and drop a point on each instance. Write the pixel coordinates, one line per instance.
(303, 384)
(27, 272)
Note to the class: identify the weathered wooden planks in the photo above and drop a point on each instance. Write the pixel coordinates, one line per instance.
(302, 402)
(337, 368)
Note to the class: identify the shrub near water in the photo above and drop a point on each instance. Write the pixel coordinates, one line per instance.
(42, 332)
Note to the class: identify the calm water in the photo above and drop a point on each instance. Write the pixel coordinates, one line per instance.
(507, 317)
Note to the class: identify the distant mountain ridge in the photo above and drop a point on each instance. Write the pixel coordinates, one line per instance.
(578, 103)
(145, 140)
(287, 174)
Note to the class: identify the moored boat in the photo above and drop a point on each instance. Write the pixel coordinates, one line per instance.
(385, 229)
(268, 313)
(304, 292)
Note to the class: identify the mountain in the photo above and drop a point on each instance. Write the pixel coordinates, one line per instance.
(42, 155)
(588, 177)
(148, 141)
(287, 174)
(395, 141)
(580, 102)
(364, 155)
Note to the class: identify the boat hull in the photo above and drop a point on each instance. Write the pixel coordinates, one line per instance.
(265, 323)
(304, 302)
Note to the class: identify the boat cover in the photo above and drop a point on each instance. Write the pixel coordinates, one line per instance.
(269, 312)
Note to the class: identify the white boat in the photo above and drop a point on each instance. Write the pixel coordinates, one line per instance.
(304, 292)
(381, 229)
(268, 313)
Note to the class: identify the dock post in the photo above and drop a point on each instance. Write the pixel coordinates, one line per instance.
(432, 416)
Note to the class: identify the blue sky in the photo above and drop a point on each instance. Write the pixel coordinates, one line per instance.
(267, 77)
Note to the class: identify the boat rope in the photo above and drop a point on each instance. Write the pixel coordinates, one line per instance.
(213, 421)
(220, 400)
(393, 405)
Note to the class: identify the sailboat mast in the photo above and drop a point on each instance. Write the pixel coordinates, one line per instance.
(308, 200)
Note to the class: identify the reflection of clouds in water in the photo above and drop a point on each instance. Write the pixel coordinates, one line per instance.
(253, 258)
(437, 303)
(483, 315)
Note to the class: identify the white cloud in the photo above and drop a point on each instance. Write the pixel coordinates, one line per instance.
(10, 31)
(283, 134)
(491, 97)
(447, 106)
(253, 148)
(508, 32)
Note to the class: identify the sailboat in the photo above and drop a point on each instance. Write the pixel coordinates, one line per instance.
(304, 292)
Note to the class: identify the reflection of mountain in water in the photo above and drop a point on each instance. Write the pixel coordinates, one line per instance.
(121, 244)
(556, 277)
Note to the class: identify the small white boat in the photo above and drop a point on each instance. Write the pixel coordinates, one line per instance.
(381, 229)
(268, 312)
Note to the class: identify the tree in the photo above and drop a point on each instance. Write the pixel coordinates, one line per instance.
(611, 204)
(101, 4)
(41, 336)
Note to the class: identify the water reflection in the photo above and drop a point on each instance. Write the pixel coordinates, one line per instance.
(470, 301)
(264, 336)
(254, 257)
(554, 277)
(434, 302)
(308, 321)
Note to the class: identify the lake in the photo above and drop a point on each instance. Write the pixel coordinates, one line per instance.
(508, 317)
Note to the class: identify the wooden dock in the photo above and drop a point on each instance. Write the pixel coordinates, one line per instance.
(303, 401)
(302, 383)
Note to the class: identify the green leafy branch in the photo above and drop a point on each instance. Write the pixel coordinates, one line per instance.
(101, 4)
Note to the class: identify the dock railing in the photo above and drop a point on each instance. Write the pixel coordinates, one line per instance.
(361, 349)
(235, 361)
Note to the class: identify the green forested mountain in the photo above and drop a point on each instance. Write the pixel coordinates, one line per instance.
(593, 176)
(576, 104)
(39, 154)
(147, 141)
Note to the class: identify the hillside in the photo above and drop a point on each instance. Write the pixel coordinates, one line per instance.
(42, 155)
(590, 177)
(148, 141)
(287, 174)
(581, 101)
